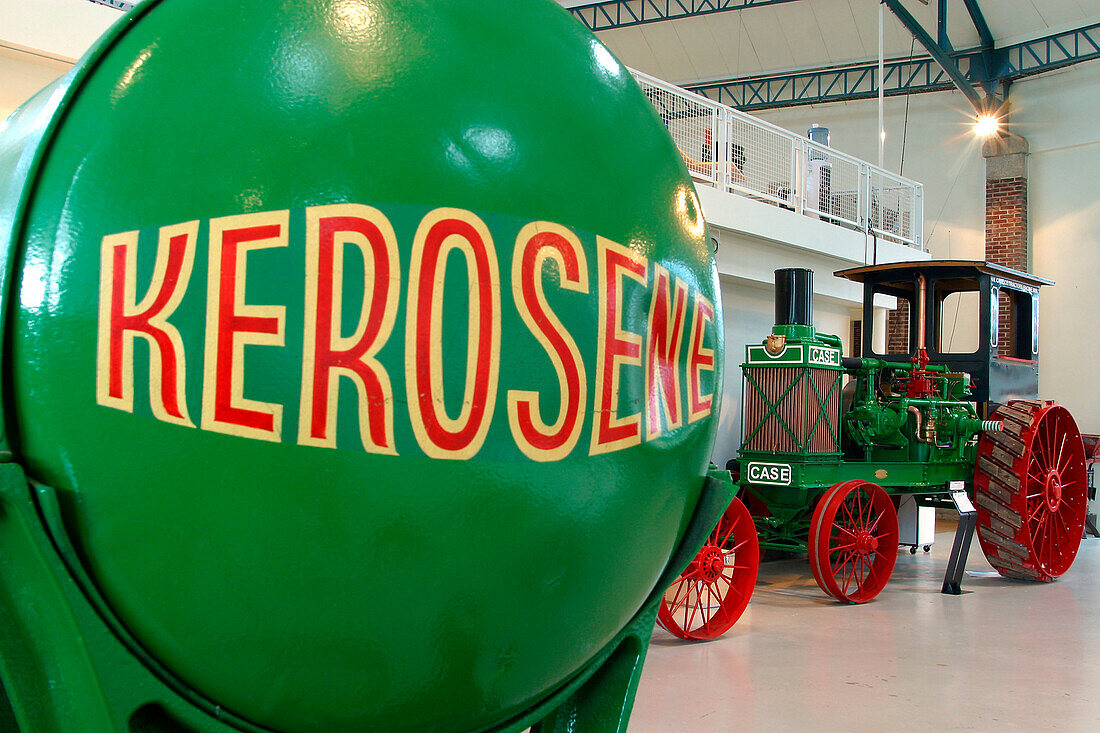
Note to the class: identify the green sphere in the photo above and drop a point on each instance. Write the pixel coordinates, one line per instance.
(373, 348)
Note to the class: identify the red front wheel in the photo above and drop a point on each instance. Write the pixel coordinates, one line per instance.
(715, 588)
(853, 541)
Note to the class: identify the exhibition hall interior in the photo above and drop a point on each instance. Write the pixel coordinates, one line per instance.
(549, 365)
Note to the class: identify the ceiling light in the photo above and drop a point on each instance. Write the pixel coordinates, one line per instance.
(986, 125)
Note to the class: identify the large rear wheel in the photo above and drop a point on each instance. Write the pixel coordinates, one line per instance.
(715, 588)
(853, 541)
(1031, 488)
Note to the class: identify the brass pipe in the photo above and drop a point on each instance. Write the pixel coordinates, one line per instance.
(919, 418)
(922, 296)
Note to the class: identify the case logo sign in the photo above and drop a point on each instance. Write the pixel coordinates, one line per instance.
(775, 474)
(827, 357)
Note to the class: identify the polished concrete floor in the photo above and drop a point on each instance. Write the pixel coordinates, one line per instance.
(1003, 656)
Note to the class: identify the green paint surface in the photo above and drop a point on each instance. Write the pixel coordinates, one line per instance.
(312, 589)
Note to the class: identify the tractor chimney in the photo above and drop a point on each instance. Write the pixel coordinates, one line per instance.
(794, 297)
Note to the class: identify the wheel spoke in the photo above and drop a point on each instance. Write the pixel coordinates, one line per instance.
(676, 602)
(1050, 538)
(848, 575)
(1068, 463)
(844, 530)
(729, 533)
(1065, 526)
(847, 510)
(738, 546)
(1071, 497)
(1035, 461)
(880, 537)
(857, 566)
(1044, 432)
(694, 609)
(849, 558)
(716, 533)
(708, 611)
(1042, 530)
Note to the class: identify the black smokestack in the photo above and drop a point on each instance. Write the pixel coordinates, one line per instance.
(794, 297)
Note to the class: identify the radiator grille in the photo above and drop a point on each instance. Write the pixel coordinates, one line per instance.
(783, 410)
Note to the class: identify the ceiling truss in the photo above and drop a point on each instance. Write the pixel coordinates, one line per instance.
(982, 74)
(625, 13)
(905, 76)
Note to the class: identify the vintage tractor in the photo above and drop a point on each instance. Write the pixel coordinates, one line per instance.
(823, 464)
(338, 369)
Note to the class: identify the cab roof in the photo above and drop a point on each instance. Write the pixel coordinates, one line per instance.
(905, 271)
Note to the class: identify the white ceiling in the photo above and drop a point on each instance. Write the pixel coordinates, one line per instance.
(819, 33)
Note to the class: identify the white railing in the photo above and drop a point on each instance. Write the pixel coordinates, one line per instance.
(728, 149)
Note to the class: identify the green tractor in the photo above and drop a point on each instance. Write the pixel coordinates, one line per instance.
(831, 445)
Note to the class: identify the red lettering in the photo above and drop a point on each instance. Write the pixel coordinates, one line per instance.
(666, 332)
(702, 359)
(122, 319)
(441, 232)
(537, 244)
(617, 348)
(327, 355)
(231, 324)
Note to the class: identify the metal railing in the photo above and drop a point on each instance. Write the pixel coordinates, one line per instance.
(734, 151)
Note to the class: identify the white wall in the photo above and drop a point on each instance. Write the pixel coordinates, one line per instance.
(40, 40)
(1058, 113)
(62, 29)
(22, 74)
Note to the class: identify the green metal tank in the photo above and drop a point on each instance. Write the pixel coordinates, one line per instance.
(360, 371)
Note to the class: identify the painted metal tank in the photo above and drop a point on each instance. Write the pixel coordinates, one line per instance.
(362, 356)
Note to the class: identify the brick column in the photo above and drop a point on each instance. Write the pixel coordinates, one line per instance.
(1006, 236)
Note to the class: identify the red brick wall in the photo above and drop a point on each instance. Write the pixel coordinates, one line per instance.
(1006, 222)
(1006, 240)
(897, 329)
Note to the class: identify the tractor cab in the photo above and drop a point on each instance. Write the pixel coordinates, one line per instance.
(978, 317)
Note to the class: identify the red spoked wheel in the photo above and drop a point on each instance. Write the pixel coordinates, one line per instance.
(1031, 488)
(853, 541)
(713, 591)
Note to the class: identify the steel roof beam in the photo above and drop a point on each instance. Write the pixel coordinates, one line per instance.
(902, 76)
(610, 14)
(942, 36)
(117, 4)
(939, 53)
(984, 35)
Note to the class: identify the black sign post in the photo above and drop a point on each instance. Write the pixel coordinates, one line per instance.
(968, 519)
